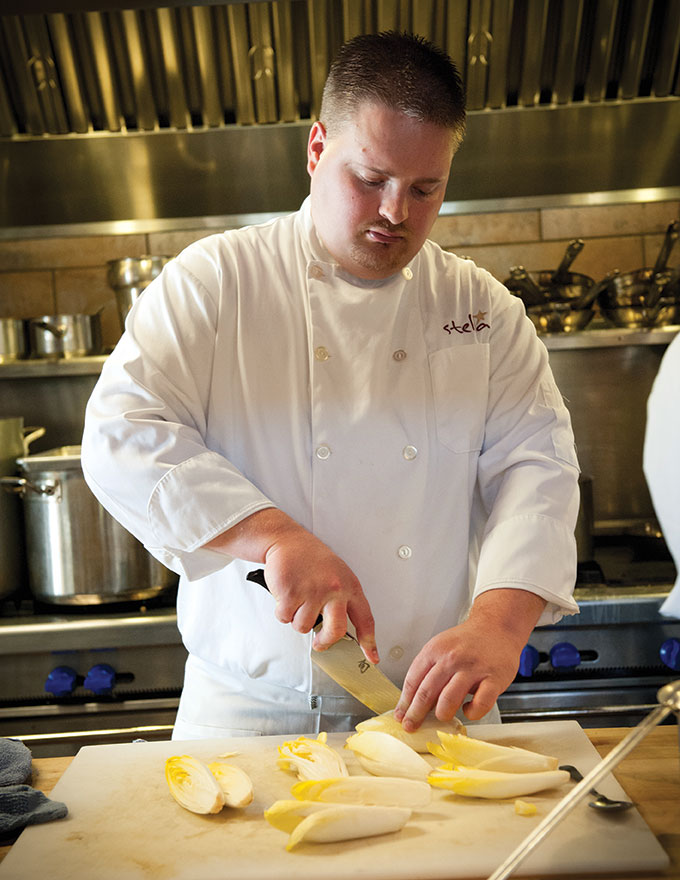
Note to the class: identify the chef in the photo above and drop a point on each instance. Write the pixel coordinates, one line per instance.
(372, 420)
(660, 459)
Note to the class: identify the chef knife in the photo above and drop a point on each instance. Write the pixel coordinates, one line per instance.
(346, 664)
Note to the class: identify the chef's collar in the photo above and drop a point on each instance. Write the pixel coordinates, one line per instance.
(320, 252)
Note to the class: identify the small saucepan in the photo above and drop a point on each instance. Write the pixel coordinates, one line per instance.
(65, 336)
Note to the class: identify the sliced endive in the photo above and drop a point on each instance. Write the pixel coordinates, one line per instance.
(236, 785)
(524, 808)
(286, 815)
(418, 739)
(311, 758)
(386, 791)
(470, 752)
(383, 755)
(473, 782)
(192, 784)
(348, 822)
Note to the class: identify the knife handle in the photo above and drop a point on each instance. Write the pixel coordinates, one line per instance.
(257, 577)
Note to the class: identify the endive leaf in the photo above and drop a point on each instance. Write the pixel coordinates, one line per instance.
(383, 755)
(470, 752)
(286, 815)
(472, 782)
(192, 784)
(236, 785)
(524, 808)
(348, 822)
(418, 739)
(375, 790)
(311, 758)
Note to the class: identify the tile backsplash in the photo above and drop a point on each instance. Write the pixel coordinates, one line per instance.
(40, 276)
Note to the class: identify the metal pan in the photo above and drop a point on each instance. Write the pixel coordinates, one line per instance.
(664, 312)
(554, 317)
(65, 336)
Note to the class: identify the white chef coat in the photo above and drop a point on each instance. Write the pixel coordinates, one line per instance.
(412, 424)
(661, 458)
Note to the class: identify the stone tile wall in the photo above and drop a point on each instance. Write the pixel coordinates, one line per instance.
(68, 274)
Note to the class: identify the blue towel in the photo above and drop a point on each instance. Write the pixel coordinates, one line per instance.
(21, 805)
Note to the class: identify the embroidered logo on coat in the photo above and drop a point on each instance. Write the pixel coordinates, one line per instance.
(474, 324)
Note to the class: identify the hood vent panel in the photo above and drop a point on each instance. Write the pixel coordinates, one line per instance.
(199, 67)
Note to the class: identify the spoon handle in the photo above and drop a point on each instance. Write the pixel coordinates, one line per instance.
(580, 791)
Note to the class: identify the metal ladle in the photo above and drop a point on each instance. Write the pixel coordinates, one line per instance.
(601, 802)
(669, 701)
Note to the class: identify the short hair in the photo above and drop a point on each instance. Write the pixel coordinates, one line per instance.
(400, 70)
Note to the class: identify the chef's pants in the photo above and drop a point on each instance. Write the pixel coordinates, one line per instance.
(215, 704)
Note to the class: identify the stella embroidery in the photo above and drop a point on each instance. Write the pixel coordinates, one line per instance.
(474, 324)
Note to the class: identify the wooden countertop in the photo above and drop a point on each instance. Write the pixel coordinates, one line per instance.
(650, 775)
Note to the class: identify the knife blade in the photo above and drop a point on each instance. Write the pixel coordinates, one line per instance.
(346, 664)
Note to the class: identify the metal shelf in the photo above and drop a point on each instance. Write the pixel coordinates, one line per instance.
(610, 337)
(44, 368)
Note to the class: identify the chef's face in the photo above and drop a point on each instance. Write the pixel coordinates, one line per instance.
(377, 186)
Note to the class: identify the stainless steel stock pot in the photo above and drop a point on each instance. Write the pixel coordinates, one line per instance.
(77, 553)
(14, 442)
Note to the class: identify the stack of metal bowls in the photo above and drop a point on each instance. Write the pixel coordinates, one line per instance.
(642, 299)
(647, 297)
(556, 301)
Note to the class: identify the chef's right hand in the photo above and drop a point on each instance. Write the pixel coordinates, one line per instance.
(307, 579)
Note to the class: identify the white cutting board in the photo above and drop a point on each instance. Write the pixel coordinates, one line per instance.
(124, 825)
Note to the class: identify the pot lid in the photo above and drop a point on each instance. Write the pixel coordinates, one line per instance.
(60, 458)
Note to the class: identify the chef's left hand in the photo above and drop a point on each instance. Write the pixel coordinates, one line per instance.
(479, 656)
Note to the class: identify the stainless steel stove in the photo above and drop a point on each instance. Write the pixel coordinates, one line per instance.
(73, 676)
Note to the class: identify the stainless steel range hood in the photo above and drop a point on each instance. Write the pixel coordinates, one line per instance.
(129, 111)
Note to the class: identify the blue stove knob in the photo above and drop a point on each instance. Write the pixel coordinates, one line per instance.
(61, 681)
(670, 654)
(101, 679)
(564, 655)
(528, 661)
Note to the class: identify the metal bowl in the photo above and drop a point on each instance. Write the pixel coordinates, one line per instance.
(630, 316)
(636, 289)
(573, 288)
(558, 317)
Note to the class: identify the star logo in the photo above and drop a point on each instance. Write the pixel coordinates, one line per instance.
(479, 316)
